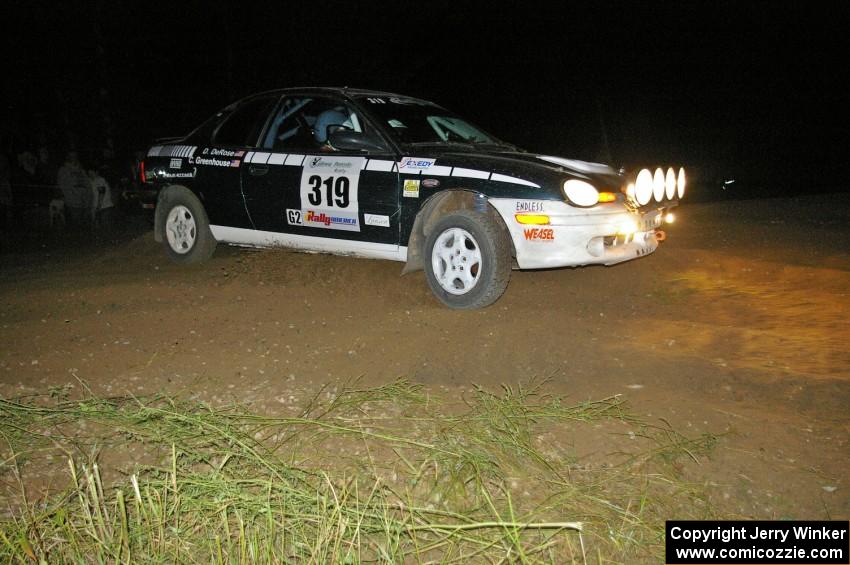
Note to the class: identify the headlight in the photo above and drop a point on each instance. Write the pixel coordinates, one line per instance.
(670, 184)
(680, 183)
(627, 227)
(581, 193)
(643, 187)
(658, 185)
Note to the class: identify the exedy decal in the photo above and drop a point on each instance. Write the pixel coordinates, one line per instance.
(415, 163)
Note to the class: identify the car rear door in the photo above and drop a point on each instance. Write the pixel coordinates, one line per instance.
(217, 165)
(297, 185)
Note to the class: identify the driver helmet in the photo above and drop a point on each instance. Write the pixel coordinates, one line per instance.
(332, 117)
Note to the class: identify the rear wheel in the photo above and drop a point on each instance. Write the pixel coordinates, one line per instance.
(186, 229)
(468, 262)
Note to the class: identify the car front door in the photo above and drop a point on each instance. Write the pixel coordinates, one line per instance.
(299, 186)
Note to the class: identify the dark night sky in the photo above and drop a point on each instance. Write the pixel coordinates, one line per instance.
(733, 89)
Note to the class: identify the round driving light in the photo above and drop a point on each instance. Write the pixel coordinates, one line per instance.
(680, 182)
(581, 193)
(658, 185)
(670, 184)
(643, 187)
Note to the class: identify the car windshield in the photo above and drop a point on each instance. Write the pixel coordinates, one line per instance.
(412, 121)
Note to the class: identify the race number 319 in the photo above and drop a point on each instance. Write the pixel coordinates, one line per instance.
(328, 192)
(335, 191)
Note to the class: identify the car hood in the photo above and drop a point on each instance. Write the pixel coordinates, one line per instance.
(540, 169)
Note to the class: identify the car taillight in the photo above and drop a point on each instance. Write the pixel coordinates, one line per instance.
(142, 171)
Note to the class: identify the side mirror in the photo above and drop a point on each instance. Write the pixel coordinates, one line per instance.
(345, 139)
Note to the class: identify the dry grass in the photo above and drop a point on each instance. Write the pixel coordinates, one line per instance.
(385, 474)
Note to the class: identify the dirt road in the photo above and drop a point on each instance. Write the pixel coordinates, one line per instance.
(736, 326)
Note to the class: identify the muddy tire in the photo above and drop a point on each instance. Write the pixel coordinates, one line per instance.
(467, 259)
(185, 228)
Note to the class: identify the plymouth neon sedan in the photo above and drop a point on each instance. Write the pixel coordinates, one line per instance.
(381, 175)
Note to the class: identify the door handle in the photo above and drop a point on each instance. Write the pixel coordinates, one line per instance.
(258, 170)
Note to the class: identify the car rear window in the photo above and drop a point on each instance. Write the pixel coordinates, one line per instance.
(242, 127)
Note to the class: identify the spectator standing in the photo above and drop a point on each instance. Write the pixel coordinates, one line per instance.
(76, 191)
(103, 204)
(46, 173)
(25, 182)
(5, 193)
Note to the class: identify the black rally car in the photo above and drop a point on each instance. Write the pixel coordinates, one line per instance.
(380, 175)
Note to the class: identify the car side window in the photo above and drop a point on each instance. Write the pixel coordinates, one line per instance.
(242, 127)
(304, 123)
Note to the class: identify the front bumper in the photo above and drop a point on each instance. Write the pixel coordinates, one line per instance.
(577, 236)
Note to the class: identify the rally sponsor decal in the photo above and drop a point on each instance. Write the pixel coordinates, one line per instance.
(415, 163)
(539, 234)
(183, 175)
(430, 183)
(175, 163)
(532, 206)
(338, 220)
(329, 191)
(376, 220)
(411, 189)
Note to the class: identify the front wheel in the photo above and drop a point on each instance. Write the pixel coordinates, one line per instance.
(469, 260)
(185, 229)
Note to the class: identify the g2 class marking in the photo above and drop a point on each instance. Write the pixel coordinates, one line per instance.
(293, 217)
